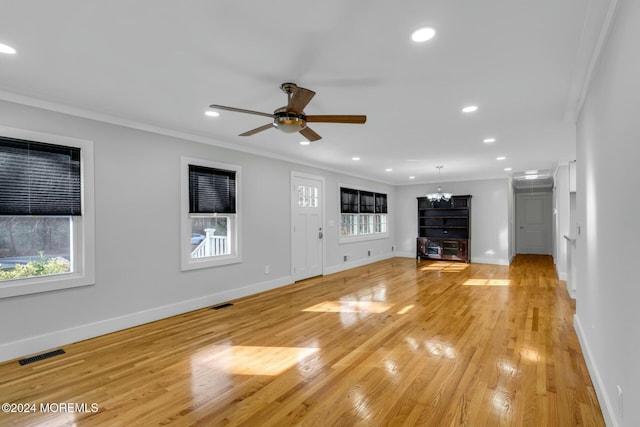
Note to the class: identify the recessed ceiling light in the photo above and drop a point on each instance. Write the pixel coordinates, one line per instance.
(4, 48)
(507, 169)
(423, 34)
(489, 140)
(388, 170)
(531, 172)
(470, 109)
(355, 158)
(412, 177)
(304, 142)
(211, 113)
(531, 177)
(500, 158)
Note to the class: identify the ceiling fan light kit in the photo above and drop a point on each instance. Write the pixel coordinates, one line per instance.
(291, 118)
(288, 122)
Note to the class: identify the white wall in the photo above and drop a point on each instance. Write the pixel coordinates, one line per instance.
(489, 217)
(608, 202)
(138, 277)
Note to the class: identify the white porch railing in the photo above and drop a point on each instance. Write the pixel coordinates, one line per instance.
(211, 245)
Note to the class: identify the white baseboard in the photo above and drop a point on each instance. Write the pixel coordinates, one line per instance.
(495, 261)
(598, 384)
(406, 254)
(41, 343)
(357, 263)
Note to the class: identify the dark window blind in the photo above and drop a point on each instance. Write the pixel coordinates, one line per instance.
(355, 201)
(367, 202)
(38, 178)
(348, 200)
(211, 190)
(381, 203)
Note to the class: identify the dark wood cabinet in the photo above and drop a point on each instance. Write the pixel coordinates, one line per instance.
(444, 229)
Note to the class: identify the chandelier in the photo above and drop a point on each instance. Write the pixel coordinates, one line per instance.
(439, 196)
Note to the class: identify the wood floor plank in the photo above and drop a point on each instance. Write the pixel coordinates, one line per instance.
(394, 343)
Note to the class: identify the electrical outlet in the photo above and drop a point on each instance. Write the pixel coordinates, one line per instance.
(267, 269)
(346, 257)
(369, 253)
(393, 248)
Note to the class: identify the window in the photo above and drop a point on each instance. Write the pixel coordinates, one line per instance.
(381, 213)
(307, 196)
(211, 222)
(380, 223)
(348, 225)
(366, 224)
(362, 213)
(46, 212)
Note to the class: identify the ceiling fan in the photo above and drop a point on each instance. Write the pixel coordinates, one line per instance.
(291, 118)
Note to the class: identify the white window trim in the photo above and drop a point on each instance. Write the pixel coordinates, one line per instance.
(83, 229)
(361, 237)
(188, 263)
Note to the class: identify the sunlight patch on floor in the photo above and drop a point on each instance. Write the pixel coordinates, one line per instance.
(529, 354)
(453, 267)
(405, 309)
(350, 307)
(251, 360)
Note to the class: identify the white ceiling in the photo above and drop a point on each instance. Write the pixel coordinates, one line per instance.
(159, 64)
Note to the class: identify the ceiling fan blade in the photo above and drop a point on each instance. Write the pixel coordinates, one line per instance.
(299, 99)
(336, 119)
(240, 110)
(256, 130)
(310, 134)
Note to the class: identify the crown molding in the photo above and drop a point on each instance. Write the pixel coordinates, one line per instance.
(589, 53)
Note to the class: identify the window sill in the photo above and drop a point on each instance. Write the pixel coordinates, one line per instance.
(362, 238)
(194, 264)
(34, 285)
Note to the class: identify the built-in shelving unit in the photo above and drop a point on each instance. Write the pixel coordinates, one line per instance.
(444, 229)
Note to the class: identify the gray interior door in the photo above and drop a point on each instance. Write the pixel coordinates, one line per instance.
(534, 223)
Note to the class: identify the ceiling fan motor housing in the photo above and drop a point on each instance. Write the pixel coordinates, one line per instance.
(287, 121)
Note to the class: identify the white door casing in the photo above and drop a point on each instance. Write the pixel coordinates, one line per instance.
(307, 226)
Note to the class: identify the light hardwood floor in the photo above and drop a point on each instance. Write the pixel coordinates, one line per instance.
(395, 343)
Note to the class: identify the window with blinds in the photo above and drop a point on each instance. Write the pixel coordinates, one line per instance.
(44, 222)
(362, 212)
(211, 219)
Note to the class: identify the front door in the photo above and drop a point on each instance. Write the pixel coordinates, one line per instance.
(307, 226)
(533, 223)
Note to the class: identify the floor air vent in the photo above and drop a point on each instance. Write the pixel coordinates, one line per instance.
(225, 305)
(41, 357)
